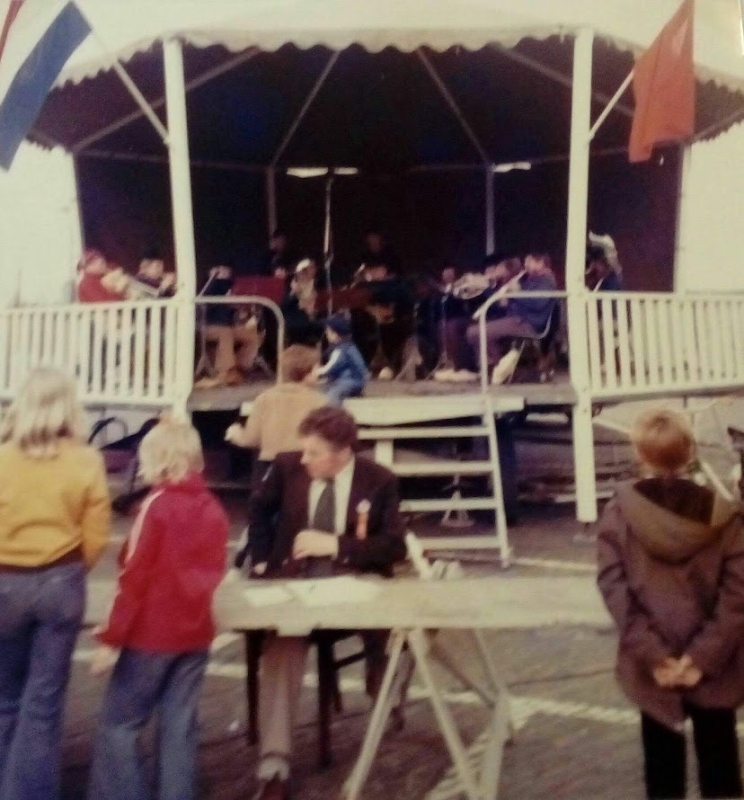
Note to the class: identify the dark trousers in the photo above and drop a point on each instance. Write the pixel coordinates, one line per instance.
(716, 748)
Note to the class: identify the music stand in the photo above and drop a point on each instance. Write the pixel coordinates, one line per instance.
(444, 361)
(329, 173)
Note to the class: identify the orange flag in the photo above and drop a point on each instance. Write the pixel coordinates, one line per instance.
(664, 87)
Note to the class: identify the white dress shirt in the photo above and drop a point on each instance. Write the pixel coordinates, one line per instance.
(342, 490)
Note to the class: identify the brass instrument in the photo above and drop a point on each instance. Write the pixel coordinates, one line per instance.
(305, 292)
(116, 280)
(470, 286)
(512, 285)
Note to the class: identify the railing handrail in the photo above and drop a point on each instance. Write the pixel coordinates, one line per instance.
(253, 300)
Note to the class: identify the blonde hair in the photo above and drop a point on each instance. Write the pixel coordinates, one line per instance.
(298, 362)
(663, 440)
(170, 451)
(45, 412)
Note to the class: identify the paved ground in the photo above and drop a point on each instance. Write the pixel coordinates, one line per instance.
(577, 737)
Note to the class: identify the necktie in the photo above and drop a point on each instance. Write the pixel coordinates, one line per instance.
(324, 519)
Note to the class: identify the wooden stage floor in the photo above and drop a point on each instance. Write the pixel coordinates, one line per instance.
(559, 393)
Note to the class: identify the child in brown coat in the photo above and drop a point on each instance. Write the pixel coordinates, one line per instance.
(671, 570)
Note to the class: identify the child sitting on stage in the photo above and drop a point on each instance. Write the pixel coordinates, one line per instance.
(345, 371)
(671, 570)
(160, 627)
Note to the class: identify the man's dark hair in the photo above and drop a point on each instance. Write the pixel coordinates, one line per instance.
(594, 253)
(541, 255)
(334, 425)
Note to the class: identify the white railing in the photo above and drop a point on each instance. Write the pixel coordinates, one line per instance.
(656, 343)
(481, 317)
(638, 344)
(119, 353)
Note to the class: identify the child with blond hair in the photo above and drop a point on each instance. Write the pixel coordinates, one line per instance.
(671, 571)
(160, 627)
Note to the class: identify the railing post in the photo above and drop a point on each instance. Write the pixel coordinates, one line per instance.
(578, 190)
(183, 222)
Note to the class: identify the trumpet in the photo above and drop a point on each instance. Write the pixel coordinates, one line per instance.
(116, 280)
(512, 285)
(470, 286)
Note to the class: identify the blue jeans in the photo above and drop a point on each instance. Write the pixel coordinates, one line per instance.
(141, 684)
(337, 391)
(40, 616)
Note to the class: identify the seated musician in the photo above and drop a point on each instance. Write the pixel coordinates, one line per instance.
(524, 317)
(345, 374)
(337, 513)
(98, 283)
(391, 303)
(377, 251)
(603, 272)
(279, 260)
(466, 295)
(152, 280)
(223, 327)
(300, 306)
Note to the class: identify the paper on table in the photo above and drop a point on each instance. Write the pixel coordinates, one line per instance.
(266, 595)
(334, 591)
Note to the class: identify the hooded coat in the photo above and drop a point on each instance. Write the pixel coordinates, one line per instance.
(671, 571)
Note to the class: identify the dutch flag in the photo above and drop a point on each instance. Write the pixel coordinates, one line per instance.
(36, 39)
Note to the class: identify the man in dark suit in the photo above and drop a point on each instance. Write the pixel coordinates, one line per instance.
(337, 513)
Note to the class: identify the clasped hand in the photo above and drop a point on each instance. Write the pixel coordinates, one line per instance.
(315, 543)
(673, 673)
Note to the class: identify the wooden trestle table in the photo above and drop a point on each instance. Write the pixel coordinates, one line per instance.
(414, 609)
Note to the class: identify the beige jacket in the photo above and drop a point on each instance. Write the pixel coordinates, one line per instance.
(275, 418)
(671, 570)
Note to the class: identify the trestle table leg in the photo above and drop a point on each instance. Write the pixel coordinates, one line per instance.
(417, 643)
(380, 714)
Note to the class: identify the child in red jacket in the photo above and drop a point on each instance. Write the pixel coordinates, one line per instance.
(160, 626)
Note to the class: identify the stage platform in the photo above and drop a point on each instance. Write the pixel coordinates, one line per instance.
(558, 394)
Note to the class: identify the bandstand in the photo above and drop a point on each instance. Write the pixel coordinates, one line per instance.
(621, 346)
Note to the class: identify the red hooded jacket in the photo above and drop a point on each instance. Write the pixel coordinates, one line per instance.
(171, 564)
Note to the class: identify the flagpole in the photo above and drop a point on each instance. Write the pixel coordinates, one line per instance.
(614, 100)
(129, 84)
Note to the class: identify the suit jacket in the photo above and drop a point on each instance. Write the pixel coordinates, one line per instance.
(279, 511)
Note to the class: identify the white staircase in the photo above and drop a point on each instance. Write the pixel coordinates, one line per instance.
(388, 424)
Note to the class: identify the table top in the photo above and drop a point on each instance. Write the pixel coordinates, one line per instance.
(498, 602)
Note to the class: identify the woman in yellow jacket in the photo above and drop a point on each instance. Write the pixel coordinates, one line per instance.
(54, 524)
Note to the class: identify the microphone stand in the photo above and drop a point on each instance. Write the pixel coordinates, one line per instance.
(203, 366)
(328, 242)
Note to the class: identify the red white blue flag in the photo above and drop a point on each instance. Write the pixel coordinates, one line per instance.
(36, 39)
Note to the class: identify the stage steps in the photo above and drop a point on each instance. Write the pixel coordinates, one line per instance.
(386, 424)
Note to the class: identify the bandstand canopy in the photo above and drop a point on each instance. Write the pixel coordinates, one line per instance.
(252, 67)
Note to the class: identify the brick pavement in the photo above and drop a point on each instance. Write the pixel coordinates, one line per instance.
(577, 737)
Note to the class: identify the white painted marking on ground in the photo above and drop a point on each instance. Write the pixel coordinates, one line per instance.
(222, 641)
(559, 564)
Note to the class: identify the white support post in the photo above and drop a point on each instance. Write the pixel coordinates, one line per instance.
(681, 254)
(183, 222)
(490, 209)
(271, 215)
(578, 192)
